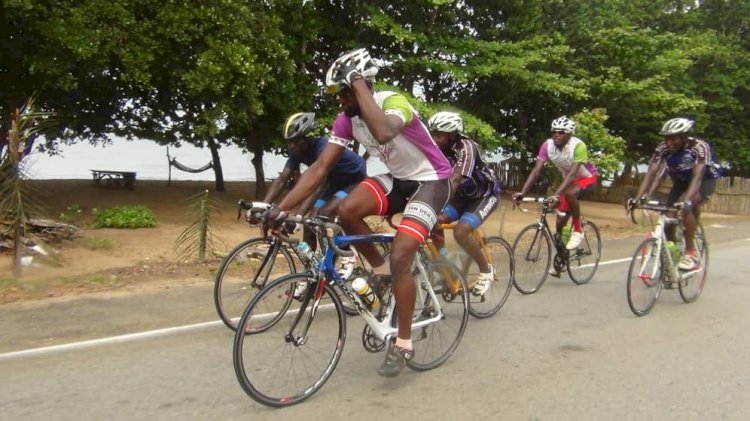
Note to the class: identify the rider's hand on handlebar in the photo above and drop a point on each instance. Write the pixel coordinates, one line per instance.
(553, 200)
(517, 198)
(253, 217)
(273, 218)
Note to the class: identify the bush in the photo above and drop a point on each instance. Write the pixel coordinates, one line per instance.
(125, 217)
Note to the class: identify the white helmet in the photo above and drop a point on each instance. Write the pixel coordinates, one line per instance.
(358, 58)
(677, 126)
(446, 121)
(299, 124)
(564, 124)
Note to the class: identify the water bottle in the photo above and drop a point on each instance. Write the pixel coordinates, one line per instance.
(305, 251)
(674, 251)
(565, 234)
(362, 288)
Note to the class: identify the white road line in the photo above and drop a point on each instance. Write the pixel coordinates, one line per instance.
(147, 334)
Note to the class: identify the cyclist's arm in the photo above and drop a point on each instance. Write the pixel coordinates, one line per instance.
(532, 177)
(278, 185)
(569, 178)
(315, 175)
(309, 202)
(383, 127)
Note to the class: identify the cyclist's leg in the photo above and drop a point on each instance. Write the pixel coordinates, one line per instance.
(571, 204)
(477, 211)
(678, 188)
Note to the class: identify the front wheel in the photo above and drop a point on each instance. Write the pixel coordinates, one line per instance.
(286, 362)
(499, 254)
(245, 270)
(692, 286)
(645, 277)
(436, 342)
(532, 254)
(584, 260)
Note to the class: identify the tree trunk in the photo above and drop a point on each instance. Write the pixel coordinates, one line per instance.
(260, 177)
(218, 173)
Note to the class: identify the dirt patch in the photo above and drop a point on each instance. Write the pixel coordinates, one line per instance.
(117, 259)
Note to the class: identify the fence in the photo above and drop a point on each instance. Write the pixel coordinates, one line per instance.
(732, 195)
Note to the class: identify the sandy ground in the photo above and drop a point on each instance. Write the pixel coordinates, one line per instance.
(119, 260)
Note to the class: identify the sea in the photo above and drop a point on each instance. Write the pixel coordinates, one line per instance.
(149, 161)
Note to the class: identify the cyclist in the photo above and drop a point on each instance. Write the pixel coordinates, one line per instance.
(418, 183)
(691, 166)
(345, 174)
(475, 191)
(570, 155)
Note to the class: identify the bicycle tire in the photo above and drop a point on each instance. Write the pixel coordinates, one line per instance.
(584, 260)
(501, 256)
(244, 271)
(645, 278)
(691, 288)
(436, 342)
(531, 264)
(274, 366)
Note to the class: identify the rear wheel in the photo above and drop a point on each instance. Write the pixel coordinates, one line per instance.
(644, 278)
(691, 287)
(500, 256)
(436, 342)
(583, 261)
(532, 255)
(245, 270)
(287, 361)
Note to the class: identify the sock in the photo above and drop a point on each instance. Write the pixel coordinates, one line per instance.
(404, 343)
(577, 225)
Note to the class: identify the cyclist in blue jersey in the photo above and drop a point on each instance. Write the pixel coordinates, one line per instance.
(475, 191)
(345, 174)
(417, 183)
(692, 167)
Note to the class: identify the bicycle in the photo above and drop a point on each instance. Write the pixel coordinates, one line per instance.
(498, 253)
(249, 266)
(654, 267)
(288, 347)
(532, 251)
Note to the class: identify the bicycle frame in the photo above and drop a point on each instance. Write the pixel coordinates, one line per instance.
(434, 254)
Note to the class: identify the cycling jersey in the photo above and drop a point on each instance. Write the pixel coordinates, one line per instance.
(574, 151)
(411, 155)
(680, 164)
(350, 164)
(478, 179)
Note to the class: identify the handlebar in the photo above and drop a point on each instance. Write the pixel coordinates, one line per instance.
(254, 209)
(655, 205)
(545, 202)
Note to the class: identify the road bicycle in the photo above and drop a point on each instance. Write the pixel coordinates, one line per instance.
(532, 251)
(498, 253)
(288, 344)
(654, 267)
(250, 265)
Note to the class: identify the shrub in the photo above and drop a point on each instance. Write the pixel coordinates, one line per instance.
(125, 217)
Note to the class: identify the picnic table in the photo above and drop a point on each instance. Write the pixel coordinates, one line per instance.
(114, 178)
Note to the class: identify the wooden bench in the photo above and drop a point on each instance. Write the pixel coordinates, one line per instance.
(114, 178)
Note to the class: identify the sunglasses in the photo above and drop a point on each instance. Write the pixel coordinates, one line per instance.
(559, 132)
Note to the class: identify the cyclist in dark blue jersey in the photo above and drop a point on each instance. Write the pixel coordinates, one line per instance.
(475, 191)
(692, 167)
(346, 174)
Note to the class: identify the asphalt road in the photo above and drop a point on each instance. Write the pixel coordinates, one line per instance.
(566, 353)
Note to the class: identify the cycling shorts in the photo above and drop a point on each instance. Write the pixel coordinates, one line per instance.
(471, 211)
(586, 184)
(418, 200)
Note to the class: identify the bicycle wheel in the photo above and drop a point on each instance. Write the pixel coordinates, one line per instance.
(644, 278)
(501, 259)
(691, 287)
(436, 342)
(287, 361)
(583, 261)
(245, 270)
(532, 255)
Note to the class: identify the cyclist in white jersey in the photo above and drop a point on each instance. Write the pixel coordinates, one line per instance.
(570, 155)
(418, 183)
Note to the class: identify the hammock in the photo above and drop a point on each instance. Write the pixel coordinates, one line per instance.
(174, 163)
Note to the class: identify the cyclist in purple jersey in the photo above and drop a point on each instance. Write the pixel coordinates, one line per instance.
(692, 168)
(418, 183)
(475, 192)
(303, 149)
